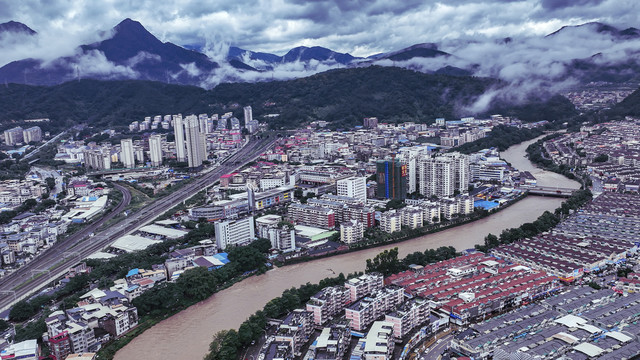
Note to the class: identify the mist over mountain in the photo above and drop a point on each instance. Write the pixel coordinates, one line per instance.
(342, 97)
(569, 57)
(266, 61)
(129, 52)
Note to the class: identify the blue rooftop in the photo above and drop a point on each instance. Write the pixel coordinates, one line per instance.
(487, 205)
(223, 257)
(133, 272)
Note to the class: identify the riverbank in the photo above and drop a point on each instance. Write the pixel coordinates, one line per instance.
(412, 233)
(189, 333)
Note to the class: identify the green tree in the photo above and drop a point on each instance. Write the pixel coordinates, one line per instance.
(601, 158)
(385, 262)
(22, 310)
(51, 183)
(197, 283)
(395, 204)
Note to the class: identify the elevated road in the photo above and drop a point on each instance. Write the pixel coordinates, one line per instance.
(49, 261)
(51, 264)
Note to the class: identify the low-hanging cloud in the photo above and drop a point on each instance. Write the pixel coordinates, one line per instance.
(532, 65)
(473, 32)
(92, 63)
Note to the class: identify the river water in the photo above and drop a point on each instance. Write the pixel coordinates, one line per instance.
(187, 334)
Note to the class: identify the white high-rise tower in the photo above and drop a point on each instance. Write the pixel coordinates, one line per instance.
(178, 131)
(193, 141)
(248, 115)
(126, 153)
(155, 150)
(355, 187)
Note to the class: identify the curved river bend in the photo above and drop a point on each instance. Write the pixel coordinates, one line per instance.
(187, 334)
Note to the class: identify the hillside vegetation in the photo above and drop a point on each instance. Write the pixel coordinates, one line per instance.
(341, 97)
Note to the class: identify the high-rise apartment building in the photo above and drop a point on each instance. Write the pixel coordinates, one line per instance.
(126, 153)
(33, 133)
(155, 150)
(248, 115)
(392, 179)
(234, 232)
(98, 159)
(355, 187)
(370, 122)
(443, 175)
(193, 141)
(202, 123)
(178, 131)
(13, 136)
(409, 156)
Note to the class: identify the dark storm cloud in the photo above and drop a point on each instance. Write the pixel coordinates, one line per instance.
(468, 29)
(362, 27)
(561, 4)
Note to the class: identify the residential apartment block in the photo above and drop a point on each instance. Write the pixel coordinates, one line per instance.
(312, 216)
(234, 232)
(328, 303)
(442, 175)
(363, 312)
(391, 221)
(408, 316)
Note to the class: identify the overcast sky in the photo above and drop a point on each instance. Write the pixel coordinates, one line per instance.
(360, 27)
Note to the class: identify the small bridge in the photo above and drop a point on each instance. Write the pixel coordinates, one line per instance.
(550, 191)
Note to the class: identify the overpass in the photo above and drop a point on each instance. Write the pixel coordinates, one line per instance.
(550, 191)
(56, 261)
(123, 170)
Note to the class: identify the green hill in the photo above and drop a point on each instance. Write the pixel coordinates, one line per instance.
(342, 97)
(630, 106)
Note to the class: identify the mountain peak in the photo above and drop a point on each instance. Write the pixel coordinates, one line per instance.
(129, 38)
(16, 27)
(128, 26)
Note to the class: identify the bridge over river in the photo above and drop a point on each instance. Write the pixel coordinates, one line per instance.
(550, 191)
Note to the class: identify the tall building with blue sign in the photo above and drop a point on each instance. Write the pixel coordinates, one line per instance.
(391, 176)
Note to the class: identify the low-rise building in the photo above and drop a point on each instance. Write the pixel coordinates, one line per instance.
(391, 221)
(295, 329)
(24, 350)
(351, 232)
(327, 303)
(363, 312)
(379, 342)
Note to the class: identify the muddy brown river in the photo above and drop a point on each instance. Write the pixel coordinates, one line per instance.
(187, 334)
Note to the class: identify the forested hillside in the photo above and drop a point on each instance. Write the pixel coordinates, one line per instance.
(342, 97)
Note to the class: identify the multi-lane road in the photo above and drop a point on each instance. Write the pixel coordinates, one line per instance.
(43, 267)
(55, 261)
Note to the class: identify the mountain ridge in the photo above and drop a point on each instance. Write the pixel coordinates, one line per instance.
(129, 51)
(16, 27)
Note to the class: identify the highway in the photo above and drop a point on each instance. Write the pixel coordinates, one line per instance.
(46, 261)
(80, 245)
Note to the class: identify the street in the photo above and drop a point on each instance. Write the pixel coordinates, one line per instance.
(77, 246)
